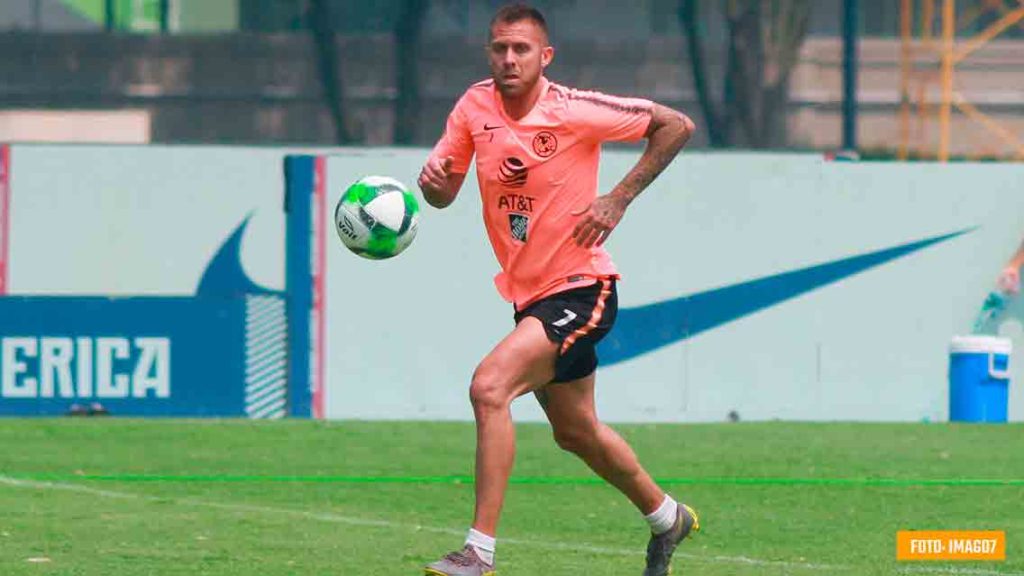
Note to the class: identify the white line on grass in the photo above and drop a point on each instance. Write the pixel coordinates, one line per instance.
(956, 571)
(557, 546)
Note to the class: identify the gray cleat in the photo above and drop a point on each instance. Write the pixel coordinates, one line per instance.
(661, 546)
(465, 562)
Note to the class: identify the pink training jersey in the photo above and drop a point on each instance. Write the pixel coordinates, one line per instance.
(533, 173)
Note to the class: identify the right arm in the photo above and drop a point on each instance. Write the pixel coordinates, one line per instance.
(438, 183)
(445, 170)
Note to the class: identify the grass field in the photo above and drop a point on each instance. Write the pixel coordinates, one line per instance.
(116, 497)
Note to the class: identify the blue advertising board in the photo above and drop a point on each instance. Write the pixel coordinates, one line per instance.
(142, 356)
(222, 352)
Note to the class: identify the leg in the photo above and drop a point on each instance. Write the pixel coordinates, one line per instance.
(570, 409)
(523, 361)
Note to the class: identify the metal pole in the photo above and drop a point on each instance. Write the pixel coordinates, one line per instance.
(906, 14)
(850, 10)
(927, 21)
(997, 28)
(948, 31)
(923, 109)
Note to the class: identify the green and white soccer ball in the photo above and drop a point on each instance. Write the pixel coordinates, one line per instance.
(377, 217)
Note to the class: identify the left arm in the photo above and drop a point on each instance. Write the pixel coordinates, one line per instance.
(1009, 279)
(1018, 257)
(666, 135)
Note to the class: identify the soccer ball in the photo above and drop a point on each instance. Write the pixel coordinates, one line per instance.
(377, 217)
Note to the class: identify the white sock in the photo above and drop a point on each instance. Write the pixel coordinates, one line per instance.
(483, 544)
(662, 519)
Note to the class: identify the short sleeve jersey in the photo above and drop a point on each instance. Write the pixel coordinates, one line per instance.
(533, 173)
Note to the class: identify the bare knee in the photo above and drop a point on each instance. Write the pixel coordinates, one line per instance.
(488, 392)
(576, 438)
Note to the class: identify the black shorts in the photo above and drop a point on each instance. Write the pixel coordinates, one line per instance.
(576, 320)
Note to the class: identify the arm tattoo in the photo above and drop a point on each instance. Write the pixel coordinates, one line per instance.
(668, 134)
(651, 164)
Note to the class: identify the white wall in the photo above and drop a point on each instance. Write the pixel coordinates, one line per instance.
(404, 335)
(126, 220)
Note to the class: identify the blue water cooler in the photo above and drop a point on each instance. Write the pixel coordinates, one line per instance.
(979, 378)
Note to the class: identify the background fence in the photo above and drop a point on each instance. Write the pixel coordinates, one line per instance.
(381, 73)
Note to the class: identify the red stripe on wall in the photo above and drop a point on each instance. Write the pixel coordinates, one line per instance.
(5, 211)
(319, 265)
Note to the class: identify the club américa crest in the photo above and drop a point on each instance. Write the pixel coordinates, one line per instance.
(545, 144)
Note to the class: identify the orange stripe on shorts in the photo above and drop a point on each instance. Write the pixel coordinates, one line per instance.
(595, 318)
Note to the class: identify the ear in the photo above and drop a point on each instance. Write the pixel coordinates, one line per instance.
(547, 54)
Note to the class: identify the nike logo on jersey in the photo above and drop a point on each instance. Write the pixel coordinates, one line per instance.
(488, 127)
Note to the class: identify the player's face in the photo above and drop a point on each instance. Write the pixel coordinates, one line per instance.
(518, 53)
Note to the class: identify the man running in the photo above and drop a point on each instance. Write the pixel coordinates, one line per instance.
(537, 146)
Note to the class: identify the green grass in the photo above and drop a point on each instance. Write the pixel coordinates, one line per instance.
(118, 497)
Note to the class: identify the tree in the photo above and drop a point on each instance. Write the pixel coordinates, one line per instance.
(321, 25)
(764, 39)
(407, 31)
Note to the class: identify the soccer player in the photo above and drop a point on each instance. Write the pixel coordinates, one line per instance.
(1009, 280)
(537, 146)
